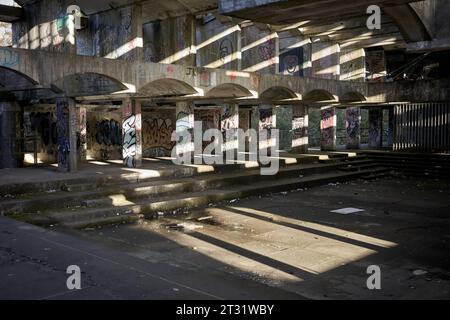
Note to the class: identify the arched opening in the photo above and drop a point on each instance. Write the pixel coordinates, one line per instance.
(89, 84)
(229, 90)
(319, 95)
(12, 79)
(279, 93)
(167, 88)
(352, 96)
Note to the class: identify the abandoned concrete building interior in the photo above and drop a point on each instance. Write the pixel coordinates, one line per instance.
(92, 92)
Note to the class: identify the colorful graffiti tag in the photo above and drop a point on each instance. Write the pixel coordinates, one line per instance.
(353, 126)
(129, 141)
(328, 129)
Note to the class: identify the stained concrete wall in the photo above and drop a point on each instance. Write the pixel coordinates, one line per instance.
(113, 34)
(46, 26)
(157, 128)
(325, 60)
(352, 65)
(295, 54)
(218, 43)
(104, 135)
(170, 41)
(40, 134)
(375, 64)
(259, 50)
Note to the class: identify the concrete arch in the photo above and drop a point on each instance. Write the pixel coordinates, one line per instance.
(352, 96)
(167, 87)
(14, 79)
(319, 95)
(88, 84)
(15, 85)
(278, 93)
(230, 90)
(409, 20)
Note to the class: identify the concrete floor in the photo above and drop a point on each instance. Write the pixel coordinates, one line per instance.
(282, 246)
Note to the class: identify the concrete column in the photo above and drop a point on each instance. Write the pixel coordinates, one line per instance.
(391, 130)
(300, 122)
(375, 128)
(267, 121)
(131, 133)
(352, 65)
(353, 127)
(283, 119)
(328, 126)
(82, 135)
(67, 127)
(325, 60)
(9, 157)
(229, 124)
(185, 128)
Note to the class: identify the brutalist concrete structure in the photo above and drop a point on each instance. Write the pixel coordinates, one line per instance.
(88, 81)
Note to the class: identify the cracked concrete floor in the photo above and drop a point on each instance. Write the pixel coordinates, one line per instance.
(291, 241)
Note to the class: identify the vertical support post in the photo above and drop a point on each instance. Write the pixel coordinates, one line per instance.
(185, 128)
(229, 125)
(8, 145)
(300, 122)
(391, 129)
(353, 127)
(131, 133)
(82, 146)
(67, 127)
(328, 124)
(375, 128)
(267, 121)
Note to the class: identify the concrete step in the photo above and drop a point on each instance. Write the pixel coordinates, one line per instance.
(82, 217)
(110, 194)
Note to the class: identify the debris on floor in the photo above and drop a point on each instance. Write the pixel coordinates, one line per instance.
(347, 210)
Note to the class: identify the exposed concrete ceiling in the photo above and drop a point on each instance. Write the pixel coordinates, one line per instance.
(335, 20)
(279, 12)
(152, 9)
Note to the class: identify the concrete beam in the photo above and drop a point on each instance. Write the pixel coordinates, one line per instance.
(427, 46)
(10, 13)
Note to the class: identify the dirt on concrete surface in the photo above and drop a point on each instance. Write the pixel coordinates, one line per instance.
(294, 242)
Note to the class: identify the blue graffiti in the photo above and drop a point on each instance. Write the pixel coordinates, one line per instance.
(8, 58)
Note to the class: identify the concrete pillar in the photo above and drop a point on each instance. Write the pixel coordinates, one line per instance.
(325, 60)
(9, 157)
(229, 124)
(300, 122)
(82, 135)
(352, 65)
(283, 118)
(267, 121)
(391, 129)
(375, 128)
(185, 128)
(328, 125)
(131, 133)
(353, 127)
(67, 127)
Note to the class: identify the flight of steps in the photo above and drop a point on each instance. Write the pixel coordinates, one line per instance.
(413, 164)
(82, 204)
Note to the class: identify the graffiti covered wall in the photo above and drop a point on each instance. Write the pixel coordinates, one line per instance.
(221, 52)
(157, 129)
(104, 135)
(328, 129)
(46, 26)
(259, 50)
(41, 125)
(300, 124)
(353, 127)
